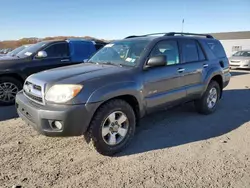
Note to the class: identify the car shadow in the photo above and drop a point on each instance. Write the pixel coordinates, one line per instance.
(7, 112)
(183, 125)
(239, 73)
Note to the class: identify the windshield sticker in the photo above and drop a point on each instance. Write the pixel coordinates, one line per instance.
(133, 60)
(28, 53)
(109, 45)
(129, 59)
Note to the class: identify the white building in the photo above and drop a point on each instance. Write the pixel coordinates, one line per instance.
(233, 41)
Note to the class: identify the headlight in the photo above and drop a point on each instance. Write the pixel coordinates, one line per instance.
(246, 62)
(62, 93)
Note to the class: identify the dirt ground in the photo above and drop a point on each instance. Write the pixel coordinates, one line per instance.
(175, 148)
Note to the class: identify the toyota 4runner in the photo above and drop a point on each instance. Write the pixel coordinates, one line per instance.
(124, 81)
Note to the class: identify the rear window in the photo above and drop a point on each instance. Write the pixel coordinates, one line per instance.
(216, 48)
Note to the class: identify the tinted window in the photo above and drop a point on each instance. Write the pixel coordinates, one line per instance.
(189, 51)
(98, 46)
(216, 48)
(201, 53)
(169, 49)
(58, 50)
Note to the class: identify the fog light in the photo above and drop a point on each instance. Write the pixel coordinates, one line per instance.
(58, 124)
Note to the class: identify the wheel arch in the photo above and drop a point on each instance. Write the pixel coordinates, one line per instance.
(214, 74)
(13, 75)
(218, 78)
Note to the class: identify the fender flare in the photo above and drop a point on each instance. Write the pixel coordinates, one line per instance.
(210, 75)
(115, 90)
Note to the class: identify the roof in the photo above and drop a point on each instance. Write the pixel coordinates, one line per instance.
(231, 35)
(218, 36)
(142, 38)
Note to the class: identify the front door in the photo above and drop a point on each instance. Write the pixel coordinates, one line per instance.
(163, 85)
(57, 56)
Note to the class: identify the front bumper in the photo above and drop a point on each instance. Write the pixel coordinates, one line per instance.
(74, 118)
(226, 79)
(240, 65)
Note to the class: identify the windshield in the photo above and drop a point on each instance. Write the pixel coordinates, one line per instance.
(17, 50)
(242, 53)
(121, 52)
(30, 49)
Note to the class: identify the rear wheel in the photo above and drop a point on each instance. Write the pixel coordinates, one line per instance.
(112, 127)
(207, 104)
(9, 87)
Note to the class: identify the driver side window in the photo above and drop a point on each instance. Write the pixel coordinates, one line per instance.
(57, 50)
(169, 48)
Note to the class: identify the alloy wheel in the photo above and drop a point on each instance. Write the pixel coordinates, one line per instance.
(8, 92)
(115, 128)
(212, 98)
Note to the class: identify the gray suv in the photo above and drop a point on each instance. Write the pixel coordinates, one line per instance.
(104, 98)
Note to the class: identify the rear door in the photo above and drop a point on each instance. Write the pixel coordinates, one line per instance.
(194, 65)
(162, 85)
(57, 56)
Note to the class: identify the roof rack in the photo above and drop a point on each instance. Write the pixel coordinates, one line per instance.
(133, 36)
(193, 34)
(171, 34)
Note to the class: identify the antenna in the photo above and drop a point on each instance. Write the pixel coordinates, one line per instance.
(182, 25)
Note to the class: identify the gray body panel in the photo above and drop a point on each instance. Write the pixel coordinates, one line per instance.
(153, 88)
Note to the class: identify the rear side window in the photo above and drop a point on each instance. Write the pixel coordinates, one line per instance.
(189, 51)
(216, 48)
(58, 50)
(201, 53)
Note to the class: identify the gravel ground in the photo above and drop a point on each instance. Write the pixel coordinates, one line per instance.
(175, 148)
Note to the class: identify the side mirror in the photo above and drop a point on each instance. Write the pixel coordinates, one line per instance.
(41, 54)
(85, 60)
(156, 61)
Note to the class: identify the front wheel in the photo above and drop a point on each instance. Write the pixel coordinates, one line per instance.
(9, 87)
(112, 128)
(207, 104)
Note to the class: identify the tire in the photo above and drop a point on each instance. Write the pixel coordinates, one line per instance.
(94, 135)
(202, 105)
(10, 84)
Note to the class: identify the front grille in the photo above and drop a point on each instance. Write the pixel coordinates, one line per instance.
(232, 61)
(35, 98)
(37, 87)
(33, 92)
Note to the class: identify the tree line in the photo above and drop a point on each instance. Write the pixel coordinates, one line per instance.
(16, 43)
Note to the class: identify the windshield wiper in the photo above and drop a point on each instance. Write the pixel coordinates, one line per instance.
(110, 63)
(105, 63)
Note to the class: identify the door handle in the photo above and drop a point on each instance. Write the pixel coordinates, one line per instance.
(205, 65)
(64, 60)
(180, 70)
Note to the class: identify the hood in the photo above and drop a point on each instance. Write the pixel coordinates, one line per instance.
(9, 62)
(7, 57)
(238, 58)
(77, 73)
